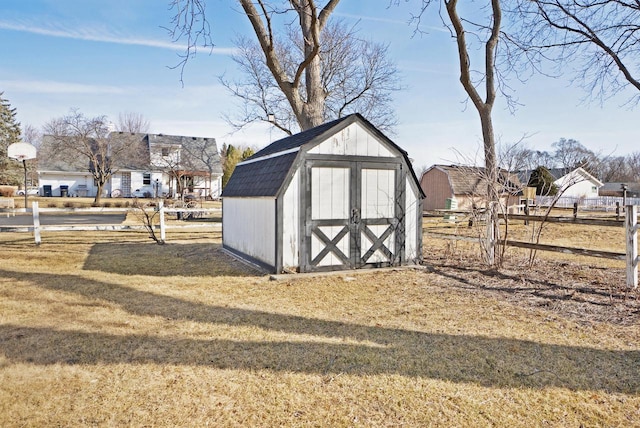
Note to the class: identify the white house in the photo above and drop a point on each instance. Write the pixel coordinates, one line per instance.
(576, 183)
(337, 196)
(167, 165)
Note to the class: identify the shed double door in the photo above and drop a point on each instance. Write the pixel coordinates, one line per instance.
(353, 216)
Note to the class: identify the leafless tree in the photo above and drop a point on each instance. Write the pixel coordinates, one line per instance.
(598, 38)
(149, 215)
(356, 76)
(133, 123)
(307, 74)
(481, 84)
(200, 155)
(570, 154)
(633, 160)
(76, 138)
(31, 135)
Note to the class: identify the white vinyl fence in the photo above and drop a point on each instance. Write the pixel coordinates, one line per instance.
(604, 203)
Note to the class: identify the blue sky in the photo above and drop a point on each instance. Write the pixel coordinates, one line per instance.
(106, 57)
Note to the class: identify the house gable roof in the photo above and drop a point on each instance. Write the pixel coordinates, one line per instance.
(568, 174)
(265, 173)
(470, 180)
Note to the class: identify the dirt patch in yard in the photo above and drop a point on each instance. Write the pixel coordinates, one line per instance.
(573, 289)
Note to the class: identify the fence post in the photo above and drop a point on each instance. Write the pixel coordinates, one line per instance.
(36, 222)
(575, 210)
(631, 222)
(617, 210)
(162, 226)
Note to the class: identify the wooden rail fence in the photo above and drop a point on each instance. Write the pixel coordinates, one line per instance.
(162, 226)
(630, 256)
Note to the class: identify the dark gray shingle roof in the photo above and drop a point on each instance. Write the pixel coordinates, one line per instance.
(261, 178)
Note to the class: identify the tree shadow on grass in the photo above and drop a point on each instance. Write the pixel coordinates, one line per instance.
(486, 361)
(170, 259)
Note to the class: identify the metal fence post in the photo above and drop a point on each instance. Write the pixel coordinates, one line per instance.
(631, 223)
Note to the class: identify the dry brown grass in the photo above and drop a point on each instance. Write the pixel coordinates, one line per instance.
(109, 329)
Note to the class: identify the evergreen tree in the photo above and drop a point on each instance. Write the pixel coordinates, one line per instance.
(543, 181)
(10, 170)
(231, 156)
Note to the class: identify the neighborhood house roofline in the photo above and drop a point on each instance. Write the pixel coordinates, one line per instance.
(470, 180)
(581, 171)
(194, 164)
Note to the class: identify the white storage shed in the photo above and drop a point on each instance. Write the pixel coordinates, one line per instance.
(338, 196)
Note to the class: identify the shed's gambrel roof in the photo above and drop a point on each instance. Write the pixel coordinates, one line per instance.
(264, 173)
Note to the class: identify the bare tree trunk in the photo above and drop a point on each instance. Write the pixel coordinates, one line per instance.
(484, 107)
(309, 111)
(96, 200)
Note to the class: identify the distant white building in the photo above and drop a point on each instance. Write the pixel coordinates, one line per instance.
(576, 183)
(168, 165)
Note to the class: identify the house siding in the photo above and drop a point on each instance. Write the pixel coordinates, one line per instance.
(74, 181)
(436, 188)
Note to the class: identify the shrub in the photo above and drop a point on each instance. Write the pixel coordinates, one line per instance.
(69, 204)
(7, 191)
(107, 205)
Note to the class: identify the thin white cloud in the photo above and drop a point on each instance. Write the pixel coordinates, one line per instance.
(405, 23)
(95, 35)
(53, 87)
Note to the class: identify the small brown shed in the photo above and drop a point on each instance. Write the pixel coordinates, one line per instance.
(465, 184)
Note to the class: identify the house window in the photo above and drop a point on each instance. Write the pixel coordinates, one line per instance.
(594, 189)
(165, 151)
(146, 178)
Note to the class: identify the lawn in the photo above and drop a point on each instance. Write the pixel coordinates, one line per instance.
(109, 329)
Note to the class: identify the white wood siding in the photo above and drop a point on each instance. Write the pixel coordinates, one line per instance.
(291, 223)
(412, 202)
(248, 226)
(378, 201)
(330, 201)
(317, 246)
(378, 191)
(329, 193)
(354, 140)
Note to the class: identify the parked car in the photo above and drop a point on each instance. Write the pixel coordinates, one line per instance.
(32, 191)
